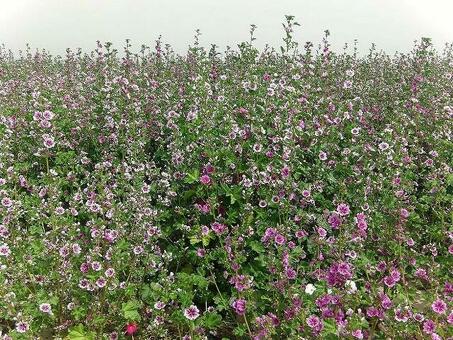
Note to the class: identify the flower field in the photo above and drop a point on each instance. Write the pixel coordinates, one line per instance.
(296, 193)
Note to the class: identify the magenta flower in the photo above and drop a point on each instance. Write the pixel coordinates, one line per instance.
(404, 213)
(291, 274)
(205, 179)
(48, 115)
(439, 306)
(279, 239)
(313, 321)
(358, 334)
(343, 209)
(285, 172)
(429, 326)
(219, 228)
(450, 318)
(239, 306)
(334, 220)
(131, 328)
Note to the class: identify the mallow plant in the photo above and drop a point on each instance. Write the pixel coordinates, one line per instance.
(293, 193)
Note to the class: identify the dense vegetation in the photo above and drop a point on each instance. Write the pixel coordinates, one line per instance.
(297, 193)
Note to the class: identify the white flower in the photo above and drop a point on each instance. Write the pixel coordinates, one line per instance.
(191, 312)
(45, 308)
(310, 289)
(159, 305)
(49, 142)
(347, 84)
(352, 288)
(4, 250)
(21, 327)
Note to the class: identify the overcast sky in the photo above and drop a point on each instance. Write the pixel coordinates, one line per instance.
(392, 25)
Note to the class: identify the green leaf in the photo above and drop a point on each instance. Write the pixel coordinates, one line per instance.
(257, 247)
(130, 310)
(193, 176)
(200, 281)
(194, 240)
(212, 320)
(79, 333)
(240, 331)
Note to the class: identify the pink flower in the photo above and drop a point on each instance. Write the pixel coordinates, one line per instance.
(313, 321)
(404, 213)
(439, 306)
(138, 250)
(301, 234)
(219, 228)
(389, 281)
(191, 312)
(429, 326)
(321, 232)
(358, 334)
(131, 328)
(239, 306)
(343, 209)
(334, 220)
(322, 156)
(76, 249)
(48, 115)
(285, 172)
(205, 179)
(291, 274)
(450, 318)
(386, 303)
(279, 239)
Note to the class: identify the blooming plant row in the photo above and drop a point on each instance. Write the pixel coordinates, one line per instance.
(294, 193)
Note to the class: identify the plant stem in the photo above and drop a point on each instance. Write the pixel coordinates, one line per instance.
(248, 327)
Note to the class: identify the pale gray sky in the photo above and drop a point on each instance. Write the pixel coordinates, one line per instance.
(57, 24)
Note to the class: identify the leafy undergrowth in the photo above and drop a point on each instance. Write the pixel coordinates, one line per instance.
(292, 194)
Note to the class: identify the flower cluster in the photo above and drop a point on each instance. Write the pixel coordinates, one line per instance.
(251, 194)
